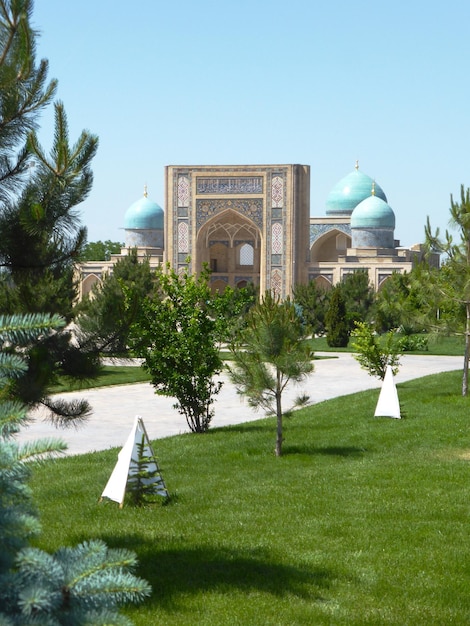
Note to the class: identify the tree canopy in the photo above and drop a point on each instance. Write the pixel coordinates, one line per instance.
(177, 336)
(41, 233)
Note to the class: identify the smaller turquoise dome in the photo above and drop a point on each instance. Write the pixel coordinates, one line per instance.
(144, 215)
(349, 192)
(373, 212)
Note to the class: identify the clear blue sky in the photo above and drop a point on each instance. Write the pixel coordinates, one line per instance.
(256, 81)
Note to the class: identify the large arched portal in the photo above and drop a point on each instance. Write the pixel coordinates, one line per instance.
(230, 245)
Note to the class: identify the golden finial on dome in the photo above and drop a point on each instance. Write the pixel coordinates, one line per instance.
(357, 165)
(145, 191)
(373, 188)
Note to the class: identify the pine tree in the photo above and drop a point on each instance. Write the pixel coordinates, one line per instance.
(451, 285)
(41, 234)
(107, 316)
(82, 585)
(145, 479)
(268, 354)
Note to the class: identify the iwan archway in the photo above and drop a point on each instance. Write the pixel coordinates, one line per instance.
(230, 244)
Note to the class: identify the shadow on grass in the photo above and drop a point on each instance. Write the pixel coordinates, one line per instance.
(201, 569)
(343, 451)
(243, 428)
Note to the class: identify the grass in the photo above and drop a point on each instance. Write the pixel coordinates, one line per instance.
(437, 345)
(110, 375)
(363, 521)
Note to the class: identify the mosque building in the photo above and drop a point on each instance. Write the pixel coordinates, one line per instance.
(252, 224)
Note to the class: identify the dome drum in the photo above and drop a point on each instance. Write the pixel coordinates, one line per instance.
(373, 238)
(143, 224)
(136, 238)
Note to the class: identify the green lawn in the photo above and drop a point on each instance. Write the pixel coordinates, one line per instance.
(362, 521)
(110, 375)
(441, 345)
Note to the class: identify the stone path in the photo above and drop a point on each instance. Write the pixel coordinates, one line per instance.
(114, 408)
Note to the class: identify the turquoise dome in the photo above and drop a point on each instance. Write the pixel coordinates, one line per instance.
(144, 215)
(349, 192)
(373, 212)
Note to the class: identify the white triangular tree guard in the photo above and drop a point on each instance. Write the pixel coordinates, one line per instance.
(125, 467)
(388, 404)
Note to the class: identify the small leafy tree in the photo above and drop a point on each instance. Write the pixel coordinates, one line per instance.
(452, 284)
(337, 327)
(372, 354)
(176, 336)
(268, 354)
(81, 585)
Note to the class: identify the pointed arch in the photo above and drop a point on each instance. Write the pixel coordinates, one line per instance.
(329, 246)
(230, 243)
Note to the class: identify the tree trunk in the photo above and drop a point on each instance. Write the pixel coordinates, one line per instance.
(466, 353)
(279, 417)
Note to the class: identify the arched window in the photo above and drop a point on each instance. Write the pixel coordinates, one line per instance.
(246, 254)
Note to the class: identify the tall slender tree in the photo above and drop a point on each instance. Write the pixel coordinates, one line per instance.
(41, 233)
(451, 285)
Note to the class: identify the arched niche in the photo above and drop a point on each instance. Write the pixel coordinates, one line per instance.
(230, 244)
(88, 283)
(329, 246)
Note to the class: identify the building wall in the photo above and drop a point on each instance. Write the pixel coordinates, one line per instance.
(211, 212)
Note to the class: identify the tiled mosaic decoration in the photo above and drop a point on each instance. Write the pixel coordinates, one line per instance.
(276, 238)
(239, 184)
(252, 208)
(277, 192)
(183, 191)
(276, 282)
(183, 237)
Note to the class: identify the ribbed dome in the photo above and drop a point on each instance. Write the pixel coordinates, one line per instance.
(349, 192)
(144, 215)
(373, 212)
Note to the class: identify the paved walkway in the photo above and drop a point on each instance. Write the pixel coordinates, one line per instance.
(114, 408)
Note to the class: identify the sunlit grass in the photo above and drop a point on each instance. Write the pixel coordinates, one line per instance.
(362, 521)
(109, 375)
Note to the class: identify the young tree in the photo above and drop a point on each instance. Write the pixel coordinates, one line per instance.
(106, 317)
(337, 327)
(176, 336)
(372, 354)
(81, 585)
(41, 234)
(268, 354)
(452, 285)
